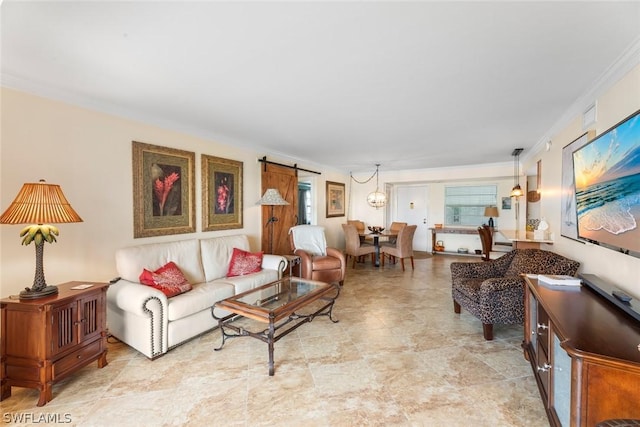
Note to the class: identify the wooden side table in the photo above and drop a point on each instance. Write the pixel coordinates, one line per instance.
(46, 339)
(293, 261)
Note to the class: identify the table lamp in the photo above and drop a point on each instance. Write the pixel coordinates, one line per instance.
(39, 204)
(491, 211)
(271, 198)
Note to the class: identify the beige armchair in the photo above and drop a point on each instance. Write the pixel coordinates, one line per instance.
(354, 247)
(317, 261)
(403, 247)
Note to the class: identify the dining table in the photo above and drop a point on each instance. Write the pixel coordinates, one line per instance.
(376, 242)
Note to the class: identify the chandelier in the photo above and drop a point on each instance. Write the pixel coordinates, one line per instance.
(516, 191)
(377, 199)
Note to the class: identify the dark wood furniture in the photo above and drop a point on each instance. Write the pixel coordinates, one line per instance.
(46, 339)
(585, 355)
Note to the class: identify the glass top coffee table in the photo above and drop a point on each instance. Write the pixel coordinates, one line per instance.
(283, 305)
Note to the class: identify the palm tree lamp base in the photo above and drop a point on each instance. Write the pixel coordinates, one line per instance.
(39, 293)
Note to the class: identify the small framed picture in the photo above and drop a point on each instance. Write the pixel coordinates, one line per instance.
(163, 190)
(221, 193)
(335, 199)
(506, 203)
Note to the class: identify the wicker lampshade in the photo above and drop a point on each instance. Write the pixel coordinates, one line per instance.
(40, 203)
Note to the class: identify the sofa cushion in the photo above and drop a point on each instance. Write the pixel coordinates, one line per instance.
(216, 254)
(244, 262)
(168, 279)
(251, 281)
(201, 297)
(185, 253)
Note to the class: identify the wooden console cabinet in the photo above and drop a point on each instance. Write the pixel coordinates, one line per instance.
(46, 339)
(585, 355)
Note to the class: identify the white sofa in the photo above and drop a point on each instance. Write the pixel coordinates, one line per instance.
(144, 318)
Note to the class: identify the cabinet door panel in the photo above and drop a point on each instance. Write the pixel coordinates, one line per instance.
(90, 320)
(561, 382)
(619, 386)
(63, 319)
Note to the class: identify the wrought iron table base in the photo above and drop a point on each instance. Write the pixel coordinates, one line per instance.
(268, 335)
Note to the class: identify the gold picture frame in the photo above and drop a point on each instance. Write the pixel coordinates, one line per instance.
(221, 193)
(335, 199)
(163, 190)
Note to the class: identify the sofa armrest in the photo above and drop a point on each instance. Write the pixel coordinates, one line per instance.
(137, 315)
(274, 262)
(133, 297)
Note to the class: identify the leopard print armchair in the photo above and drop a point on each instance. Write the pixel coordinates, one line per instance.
(493, 291)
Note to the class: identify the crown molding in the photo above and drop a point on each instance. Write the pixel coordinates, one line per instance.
(618, 69)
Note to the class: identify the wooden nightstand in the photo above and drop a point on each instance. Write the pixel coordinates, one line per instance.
(46, 339)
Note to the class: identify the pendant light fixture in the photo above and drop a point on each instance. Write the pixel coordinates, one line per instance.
(516, 191)
(377, 199)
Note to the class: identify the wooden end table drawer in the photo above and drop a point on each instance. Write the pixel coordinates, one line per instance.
(70, 362)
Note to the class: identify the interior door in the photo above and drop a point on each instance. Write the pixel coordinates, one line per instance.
(285, 180)
(411, 206)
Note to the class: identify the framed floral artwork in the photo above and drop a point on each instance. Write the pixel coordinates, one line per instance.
(221, 193)
(163, 190)
(335, 199)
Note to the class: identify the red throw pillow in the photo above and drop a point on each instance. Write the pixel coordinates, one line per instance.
(168, 279)
(243, 262)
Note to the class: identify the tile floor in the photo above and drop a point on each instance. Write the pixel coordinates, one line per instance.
(399, 356)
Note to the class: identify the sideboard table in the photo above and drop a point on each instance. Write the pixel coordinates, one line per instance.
(47, 339)
(585, 355)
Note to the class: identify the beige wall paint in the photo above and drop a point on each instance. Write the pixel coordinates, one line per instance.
(619, 101)
(89, 154)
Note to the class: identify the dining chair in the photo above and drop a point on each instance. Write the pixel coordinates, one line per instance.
(403, 247)
(486, 239)
(395, 228)
(487, 242)
(354, 247)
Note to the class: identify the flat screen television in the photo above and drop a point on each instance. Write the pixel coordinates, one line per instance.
(607, 181)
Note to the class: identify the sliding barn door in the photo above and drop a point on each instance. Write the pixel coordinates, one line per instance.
(285, 180)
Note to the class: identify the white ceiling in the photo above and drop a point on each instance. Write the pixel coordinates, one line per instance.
(341, 84)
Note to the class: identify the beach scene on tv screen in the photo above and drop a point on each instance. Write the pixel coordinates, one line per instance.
(607, 180)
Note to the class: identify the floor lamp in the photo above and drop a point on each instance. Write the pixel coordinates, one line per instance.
(272, 198)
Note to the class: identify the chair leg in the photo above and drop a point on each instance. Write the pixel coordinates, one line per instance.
(456, 307)
(412, 266)
(354, 261)
(373, 258)
(402, 263)
(382, 258)
(487, 330)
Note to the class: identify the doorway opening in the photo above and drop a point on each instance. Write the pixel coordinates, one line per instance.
(304, 203)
